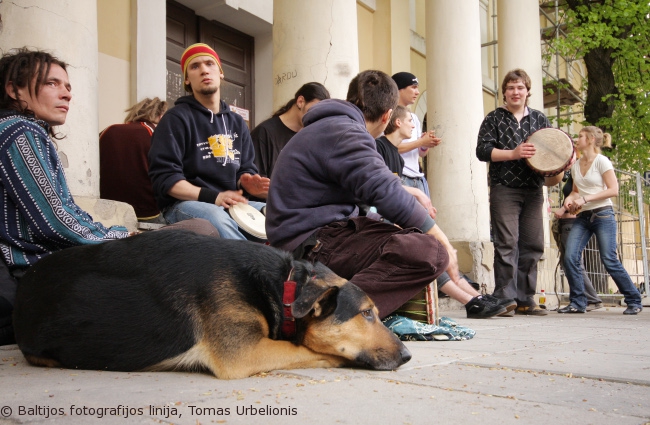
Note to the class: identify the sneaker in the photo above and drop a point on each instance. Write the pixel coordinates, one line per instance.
(531, 311)
(481, 308)
(508, 303)
(570, 309)
(594, 306)
(630, 310)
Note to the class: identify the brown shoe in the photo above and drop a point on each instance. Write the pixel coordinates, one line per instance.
(531, 311)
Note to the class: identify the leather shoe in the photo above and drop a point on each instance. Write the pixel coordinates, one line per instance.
(633, 310)
(531, 311)
(570, 309)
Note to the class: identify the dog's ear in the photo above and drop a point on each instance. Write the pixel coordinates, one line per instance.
(313, 297)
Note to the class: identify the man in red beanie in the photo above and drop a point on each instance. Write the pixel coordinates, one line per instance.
(201, 157)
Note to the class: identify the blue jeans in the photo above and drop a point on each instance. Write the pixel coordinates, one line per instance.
(417, 182)
(218, 216)
(603, 225)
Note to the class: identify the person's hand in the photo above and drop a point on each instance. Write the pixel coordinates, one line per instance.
(574, 205)
(429, 140)
(423, 199)
(229, 198)
(256, 185)
(524, 150)
(559, 212)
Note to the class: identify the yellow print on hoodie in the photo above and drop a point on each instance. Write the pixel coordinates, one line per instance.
(222, 148)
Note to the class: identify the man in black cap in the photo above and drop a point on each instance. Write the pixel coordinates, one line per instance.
(419, 143)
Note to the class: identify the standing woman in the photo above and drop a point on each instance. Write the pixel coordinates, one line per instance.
(594, 183)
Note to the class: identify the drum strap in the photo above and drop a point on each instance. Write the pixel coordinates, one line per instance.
(288, 297)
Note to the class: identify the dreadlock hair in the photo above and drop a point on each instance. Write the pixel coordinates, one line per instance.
(147, 110)
(374, 92)
(309, 91)
(22, 68)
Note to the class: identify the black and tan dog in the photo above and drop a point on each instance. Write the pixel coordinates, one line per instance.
(179, 301)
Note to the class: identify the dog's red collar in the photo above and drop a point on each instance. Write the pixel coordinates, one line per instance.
(288, 297)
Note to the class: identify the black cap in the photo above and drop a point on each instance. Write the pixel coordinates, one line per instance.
(405, 79)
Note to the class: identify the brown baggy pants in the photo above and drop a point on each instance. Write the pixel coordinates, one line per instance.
(390, 264)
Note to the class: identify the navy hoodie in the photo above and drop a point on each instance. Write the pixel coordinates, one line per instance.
(322, 172)
(208, 150)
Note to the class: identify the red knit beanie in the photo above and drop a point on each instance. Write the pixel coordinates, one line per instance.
(195, 50)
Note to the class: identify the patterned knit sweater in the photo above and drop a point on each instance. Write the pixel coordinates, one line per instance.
(39, 215)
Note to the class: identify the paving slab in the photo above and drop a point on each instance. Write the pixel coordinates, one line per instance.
(576, 369)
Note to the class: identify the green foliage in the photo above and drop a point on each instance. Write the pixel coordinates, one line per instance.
(620, 29)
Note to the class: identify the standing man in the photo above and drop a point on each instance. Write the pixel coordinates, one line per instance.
(418, 144)
(329, 166)
(516, 193)
(201, 160)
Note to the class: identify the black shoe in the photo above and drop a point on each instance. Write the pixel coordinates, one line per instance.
(632, 310)
(508, 303)
(481, 308)
(571, 309)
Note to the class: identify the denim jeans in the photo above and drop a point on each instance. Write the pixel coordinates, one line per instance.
(218, 216)
(603, 225)
(566, 224)
(417, 182)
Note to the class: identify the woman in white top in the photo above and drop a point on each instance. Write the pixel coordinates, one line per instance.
(594, 183)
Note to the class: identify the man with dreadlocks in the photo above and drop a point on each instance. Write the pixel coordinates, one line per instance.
(39, 215)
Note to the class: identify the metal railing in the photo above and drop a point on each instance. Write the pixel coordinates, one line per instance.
(633, 242)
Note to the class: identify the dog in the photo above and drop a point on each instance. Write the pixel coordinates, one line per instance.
(176, 300)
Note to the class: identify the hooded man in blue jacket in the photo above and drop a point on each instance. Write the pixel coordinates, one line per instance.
(201, 160)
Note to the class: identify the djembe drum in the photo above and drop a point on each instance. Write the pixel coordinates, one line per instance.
(251, 222)
(554, 152)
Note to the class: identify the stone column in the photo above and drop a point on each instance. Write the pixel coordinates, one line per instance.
(457, 179)
(519, 43)
(69, 31)
(148, 50)
(520, 47)
(313, 41)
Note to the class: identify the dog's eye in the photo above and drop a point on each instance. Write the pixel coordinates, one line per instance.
(367, 314)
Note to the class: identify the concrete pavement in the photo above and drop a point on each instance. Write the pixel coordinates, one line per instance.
(592, 368)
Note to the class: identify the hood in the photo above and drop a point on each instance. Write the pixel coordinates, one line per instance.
(194, 104)
(330, 107)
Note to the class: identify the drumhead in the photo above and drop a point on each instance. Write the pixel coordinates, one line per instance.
(553, 150)
(249, 219)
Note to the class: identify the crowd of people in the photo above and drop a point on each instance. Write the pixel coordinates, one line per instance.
(347, 189)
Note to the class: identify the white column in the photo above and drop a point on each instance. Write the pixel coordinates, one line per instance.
(457, 179)
(148, 50)
(314, 40)
(68, 30)
(520, 47)
(519, 44)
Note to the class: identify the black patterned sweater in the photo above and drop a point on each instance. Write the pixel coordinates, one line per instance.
(501, 130)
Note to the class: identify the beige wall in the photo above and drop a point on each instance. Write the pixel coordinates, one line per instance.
(113, 25)
(418, 67)
(365, 20)
(420, 26)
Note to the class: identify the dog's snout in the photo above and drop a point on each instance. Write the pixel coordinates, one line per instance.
(406, 354)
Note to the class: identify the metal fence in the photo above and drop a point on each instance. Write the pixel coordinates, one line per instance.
(633, 242)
